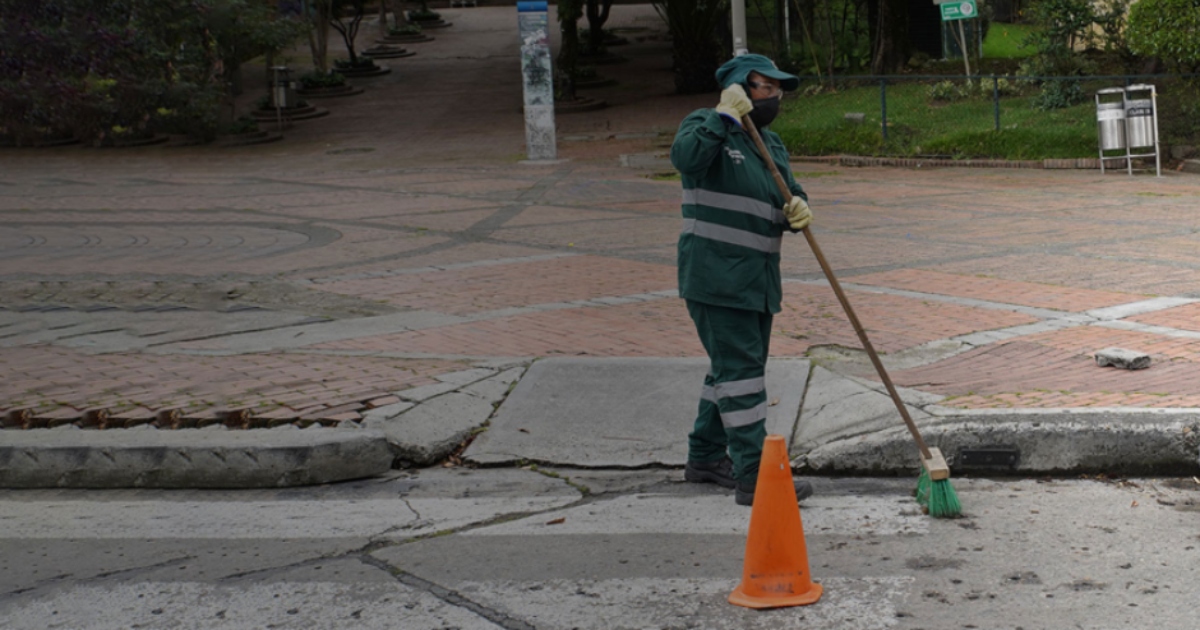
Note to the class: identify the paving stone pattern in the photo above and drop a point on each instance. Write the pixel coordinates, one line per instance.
(470, 258)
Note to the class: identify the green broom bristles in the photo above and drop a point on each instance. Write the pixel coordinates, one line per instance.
(922, 491)
(943, 500)
(938, 498)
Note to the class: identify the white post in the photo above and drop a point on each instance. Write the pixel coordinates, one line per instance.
(538, 79)
(1157, 148)
(738, 13)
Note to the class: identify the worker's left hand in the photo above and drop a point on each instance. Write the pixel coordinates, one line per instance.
(797, 213)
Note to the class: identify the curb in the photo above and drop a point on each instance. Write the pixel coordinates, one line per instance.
(1022, 441)
(857, 160)
(139, 458)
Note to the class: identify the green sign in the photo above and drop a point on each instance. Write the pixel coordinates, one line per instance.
(959, 10)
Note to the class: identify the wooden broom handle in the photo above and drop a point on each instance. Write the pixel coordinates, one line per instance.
(837, 290)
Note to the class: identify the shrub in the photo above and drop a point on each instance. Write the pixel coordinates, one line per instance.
(244, 124)
(317, 79)
(407, 29)
(425, 14)
(363, 62)
(947, 91)
(1059, 94)
(1004, 87)
(100, 69)
(1167, 29)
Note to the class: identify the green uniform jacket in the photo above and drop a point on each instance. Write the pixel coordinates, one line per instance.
(732, 214)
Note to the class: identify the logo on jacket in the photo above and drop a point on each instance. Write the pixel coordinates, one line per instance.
(735, 155)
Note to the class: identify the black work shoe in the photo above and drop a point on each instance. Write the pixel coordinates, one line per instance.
(719, 472)
(744, 494)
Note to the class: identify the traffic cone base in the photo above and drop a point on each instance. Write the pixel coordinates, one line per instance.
(775, 573)
(739, 598)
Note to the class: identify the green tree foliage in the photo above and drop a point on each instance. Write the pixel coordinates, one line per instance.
(697, 53)
(1167, 29)
(1064, 25)
(1111, 17)
(103, 70)
(245, 29)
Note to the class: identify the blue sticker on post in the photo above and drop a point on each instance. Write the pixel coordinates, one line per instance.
(531, 5)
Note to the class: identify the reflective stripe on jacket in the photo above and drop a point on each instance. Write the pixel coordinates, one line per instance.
(732, 218)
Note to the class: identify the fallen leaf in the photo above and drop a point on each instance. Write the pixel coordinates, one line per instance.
(557, 521)
(1134, 504)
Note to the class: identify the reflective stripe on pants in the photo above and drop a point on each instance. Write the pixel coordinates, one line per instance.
(733, 403)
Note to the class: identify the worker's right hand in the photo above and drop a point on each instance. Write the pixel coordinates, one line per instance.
(734, 102)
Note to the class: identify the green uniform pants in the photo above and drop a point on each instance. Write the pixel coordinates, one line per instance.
(733, 404)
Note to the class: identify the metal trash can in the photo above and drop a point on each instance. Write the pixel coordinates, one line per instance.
(1110, 118)
(1140, 127)
(283, 92)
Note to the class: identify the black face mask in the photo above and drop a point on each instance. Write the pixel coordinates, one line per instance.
(765, 110)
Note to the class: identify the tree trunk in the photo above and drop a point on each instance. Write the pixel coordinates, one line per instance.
(348, 31)
(318, 36)
(890, 45)
(569, 12)
(695, 25)
(597, 15)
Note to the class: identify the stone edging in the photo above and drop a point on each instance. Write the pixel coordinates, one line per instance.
(858, 160)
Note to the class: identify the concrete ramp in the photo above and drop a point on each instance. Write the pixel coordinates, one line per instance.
(618, 412)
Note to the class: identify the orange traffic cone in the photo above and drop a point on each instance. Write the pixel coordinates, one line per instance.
(775, 572)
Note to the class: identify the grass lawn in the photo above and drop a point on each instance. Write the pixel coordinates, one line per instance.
(920, 126)
(1007, 41)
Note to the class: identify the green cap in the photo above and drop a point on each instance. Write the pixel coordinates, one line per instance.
(737, 69)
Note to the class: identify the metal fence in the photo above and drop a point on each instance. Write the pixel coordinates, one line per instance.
(904, 97)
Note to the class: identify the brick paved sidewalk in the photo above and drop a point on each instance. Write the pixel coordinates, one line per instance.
(121, 274)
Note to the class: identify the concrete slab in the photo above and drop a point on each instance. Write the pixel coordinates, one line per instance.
(840, 407)
(433, 429)
(308, 604)
(617, 412)
(425, 392)
(465, 377)
(496, 388)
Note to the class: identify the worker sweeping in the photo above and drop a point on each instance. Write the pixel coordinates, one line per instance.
(734, 217)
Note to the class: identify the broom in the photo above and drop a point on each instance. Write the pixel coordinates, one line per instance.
(934, 492)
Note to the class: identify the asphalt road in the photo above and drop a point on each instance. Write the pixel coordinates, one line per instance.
(569, 549)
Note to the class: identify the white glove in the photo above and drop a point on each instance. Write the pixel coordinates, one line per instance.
(734, 102)
(797, 213)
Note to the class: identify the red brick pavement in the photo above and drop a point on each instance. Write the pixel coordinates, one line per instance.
(1058, 369)
(1121, 275)
(434, 214)
(1182, 317)
(475, 289)
(892, 322)
(661, 327)
(58, 382)
(658, 328)
(996, 290)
